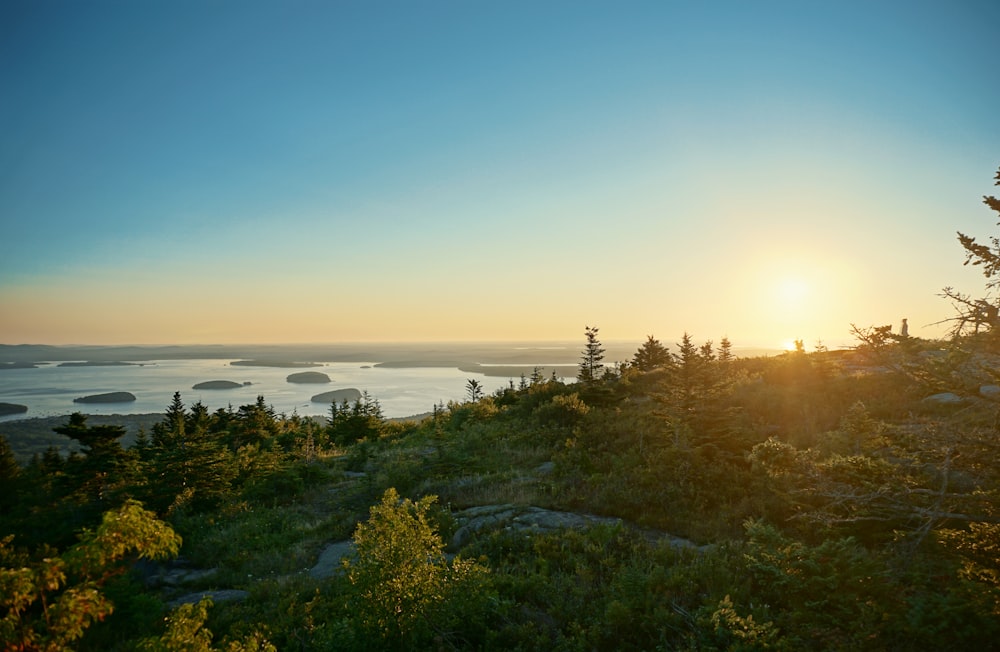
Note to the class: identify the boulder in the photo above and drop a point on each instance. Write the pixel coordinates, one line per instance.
(329, 560)
(308, 377)
(109, 397)
(990, 391)
(944, 398)
(225, 595)
(338, 396)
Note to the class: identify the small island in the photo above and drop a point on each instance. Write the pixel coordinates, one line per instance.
(109, 397)
(7, 409)
(274, 363)
(18, 365)
(98, 363)
(338, 396)
(308, 377)
(219, 384)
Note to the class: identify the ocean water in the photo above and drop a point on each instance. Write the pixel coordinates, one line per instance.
(49, 389)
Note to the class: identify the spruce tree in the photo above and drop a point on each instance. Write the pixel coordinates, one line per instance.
(651, 355)
(593, 353)
(474, 389)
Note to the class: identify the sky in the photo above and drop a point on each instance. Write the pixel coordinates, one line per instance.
(261, 172)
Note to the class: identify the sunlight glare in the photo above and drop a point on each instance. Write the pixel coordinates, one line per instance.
(793, 289)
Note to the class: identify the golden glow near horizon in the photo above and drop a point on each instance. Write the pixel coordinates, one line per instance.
(760, 174)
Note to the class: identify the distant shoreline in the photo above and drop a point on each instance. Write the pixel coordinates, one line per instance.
(416, 354)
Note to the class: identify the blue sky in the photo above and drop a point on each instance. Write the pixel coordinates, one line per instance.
(200, 172)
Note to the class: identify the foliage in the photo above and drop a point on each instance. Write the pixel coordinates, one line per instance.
(48, 604)
(651, 355)
(186, 632)
(474, 390)
(983, 313)
(591, 362)
(405, 592)
(350, 423)
(823, 504)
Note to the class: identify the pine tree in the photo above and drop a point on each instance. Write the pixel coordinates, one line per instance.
(725, 352)
(188, 462)
(474, 389)
(651, 355)
(591, 364)
(102, 455)
(976, 314)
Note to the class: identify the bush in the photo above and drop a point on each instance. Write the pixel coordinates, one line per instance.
(404, 591)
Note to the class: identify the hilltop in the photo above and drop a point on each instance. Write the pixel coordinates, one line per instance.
(691, 499)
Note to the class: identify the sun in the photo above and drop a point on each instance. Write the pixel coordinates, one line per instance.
(793, 289)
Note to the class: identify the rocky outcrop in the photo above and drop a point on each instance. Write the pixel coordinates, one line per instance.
(223, 595)
(991, 392)
(329, 562)
(535, 520)
(487, 518)
(338, 396)
(944, 398)
(308, 377)
(109, 397)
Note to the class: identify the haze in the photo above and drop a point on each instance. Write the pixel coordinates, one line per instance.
(234, 172)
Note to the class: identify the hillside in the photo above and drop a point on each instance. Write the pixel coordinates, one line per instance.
(692, 500)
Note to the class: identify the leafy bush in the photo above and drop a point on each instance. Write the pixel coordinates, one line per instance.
(405, 593)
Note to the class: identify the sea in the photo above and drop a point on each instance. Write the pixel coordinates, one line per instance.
(49, 389)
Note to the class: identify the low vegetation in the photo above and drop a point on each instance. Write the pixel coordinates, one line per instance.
(830, 507)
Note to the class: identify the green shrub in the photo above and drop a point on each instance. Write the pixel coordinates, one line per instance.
(405, 593)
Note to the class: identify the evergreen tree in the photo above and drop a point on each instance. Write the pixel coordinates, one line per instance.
(10, 473)
(725, 351)
(591, 365)
(102, 454)
(536, 376)
(975, 314)
(189, 463)
(350, 423)
(171, 429)
(651, 355)
(474, 389)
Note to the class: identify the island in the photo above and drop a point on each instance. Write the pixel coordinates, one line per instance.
(98, 363)
(109, 397)
(18, 365)
(219, 384)
(338, 396)
(7, 409)
(308, 377)
(274, 363)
